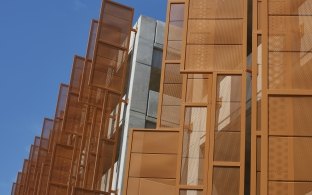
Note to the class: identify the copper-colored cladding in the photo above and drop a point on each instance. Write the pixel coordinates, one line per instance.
(88, 145)
(23, 178)
(85, 166)
(43, 152)
(41, 186)
(27, 181)
(59, 115)
(17, 185)
(282, 139)
(107, 73)
(65, 155)
(83, 143)
(111, 47)
(199, 146)
(90, 95)
(152, 162)
(31, 171)
(33, 178)
(94, 97)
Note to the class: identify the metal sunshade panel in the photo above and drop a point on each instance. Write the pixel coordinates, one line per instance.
(111, 48)
(281, 125)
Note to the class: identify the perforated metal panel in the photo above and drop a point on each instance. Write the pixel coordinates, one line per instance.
(202, 100)
(286, 97)
(111, 47)
(215, 35)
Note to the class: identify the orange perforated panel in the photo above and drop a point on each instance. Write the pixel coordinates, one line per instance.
(215, 36)
(111, 47)
(88, 94)
(78, 150)
(59, 115)
(286, 98)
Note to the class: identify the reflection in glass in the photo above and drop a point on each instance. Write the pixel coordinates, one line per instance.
(194, 138)
(197, 90)
(228, 108)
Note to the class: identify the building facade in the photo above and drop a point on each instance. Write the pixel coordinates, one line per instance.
(198, 146)
(211, 137)
(233, 105)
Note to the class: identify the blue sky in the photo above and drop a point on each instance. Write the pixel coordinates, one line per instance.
(38, 39)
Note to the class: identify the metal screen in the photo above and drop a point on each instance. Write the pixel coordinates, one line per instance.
(111, 47)
(199, 144)
(78, 150)
(281, 121)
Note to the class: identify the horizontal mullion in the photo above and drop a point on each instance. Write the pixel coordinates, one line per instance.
(155, 153)
(172, 61)
(190, 104)
(225, 131)
(288, 51)
(291, 15)
(153, 178)
(216, 18)
(219, 72)
(157, 130)
(287, 181)
(289, 136)
(191, 187)
(289, 92)
(226, 164)
(219, 44)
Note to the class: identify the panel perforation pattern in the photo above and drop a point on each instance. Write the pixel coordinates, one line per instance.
(111, 47)
(289, 113)
(215, 36)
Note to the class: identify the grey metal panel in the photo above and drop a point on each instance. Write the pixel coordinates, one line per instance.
(147, 28)
(144, 51)
(160, 29)
(136, 120)
(152, 104)
(141, 80)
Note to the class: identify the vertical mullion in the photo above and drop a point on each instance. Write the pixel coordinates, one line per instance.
(183, 100)
(264, 105)
(254, 108)
(243, 101)
(208, 129)
(181, 128)
(211, 133)
(184, 36)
